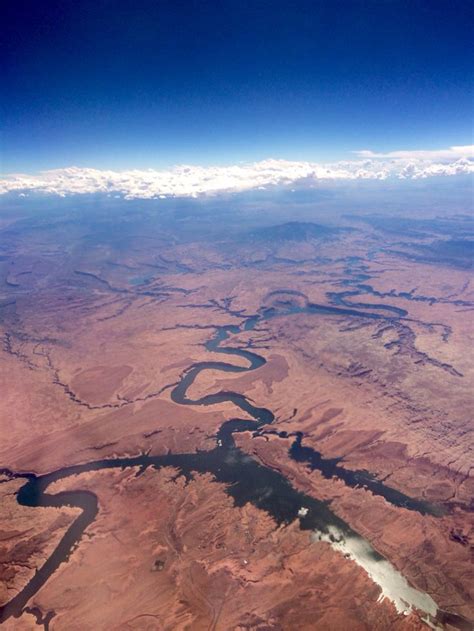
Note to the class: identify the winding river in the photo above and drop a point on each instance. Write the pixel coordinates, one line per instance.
(246, 479)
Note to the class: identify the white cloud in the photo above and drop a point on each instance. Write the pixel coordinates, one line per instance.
(453, 153)
(194, 181)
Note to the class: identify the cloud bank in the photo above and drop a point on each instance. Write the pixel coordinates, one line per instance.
(195, 181)
(453, 153)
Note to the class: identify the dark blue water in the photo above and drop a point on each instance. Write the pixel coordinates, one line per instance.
(246, 479)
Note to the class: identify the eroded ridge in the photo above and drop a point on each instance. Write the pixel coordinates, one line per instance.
(246, 480)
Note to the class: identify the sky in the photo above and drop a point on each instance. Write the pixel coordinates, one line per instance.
(148, 84)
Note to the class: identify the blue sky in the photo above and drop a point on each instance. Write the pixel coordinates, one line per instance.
(134, 84)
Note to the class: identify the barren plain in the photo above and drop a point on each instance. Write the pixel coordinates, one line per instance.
(247, 426)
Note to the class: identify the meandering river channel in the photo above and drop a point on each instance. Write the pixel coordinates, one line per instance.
(247, 480)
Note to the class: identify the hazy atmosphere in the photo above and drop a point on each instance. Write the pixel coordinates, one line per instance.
(236, 316)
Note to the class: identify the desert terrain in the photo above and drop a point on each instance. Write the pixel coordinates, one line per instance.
(236, 423)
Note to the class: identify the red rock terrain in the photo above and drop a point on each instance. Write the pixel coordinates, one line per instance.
(377, 376)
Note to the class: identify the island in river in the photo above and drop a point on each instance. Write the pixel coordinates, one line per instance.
(235, 421)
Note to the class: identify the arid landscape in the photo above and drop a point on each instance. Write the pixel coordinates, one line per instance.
(235, 420)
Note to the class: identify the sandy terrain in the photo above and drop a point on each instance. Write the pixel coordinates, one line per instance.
(97, 333)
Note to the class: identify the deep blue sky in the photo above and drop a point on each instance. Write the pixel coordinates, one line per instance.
(141, 83)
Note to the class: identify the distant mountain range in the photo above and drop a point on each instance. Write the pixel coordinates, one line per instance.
(293, 231)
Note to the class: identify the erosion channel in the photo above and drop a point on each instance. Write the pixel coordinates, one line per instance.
(246, 480)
